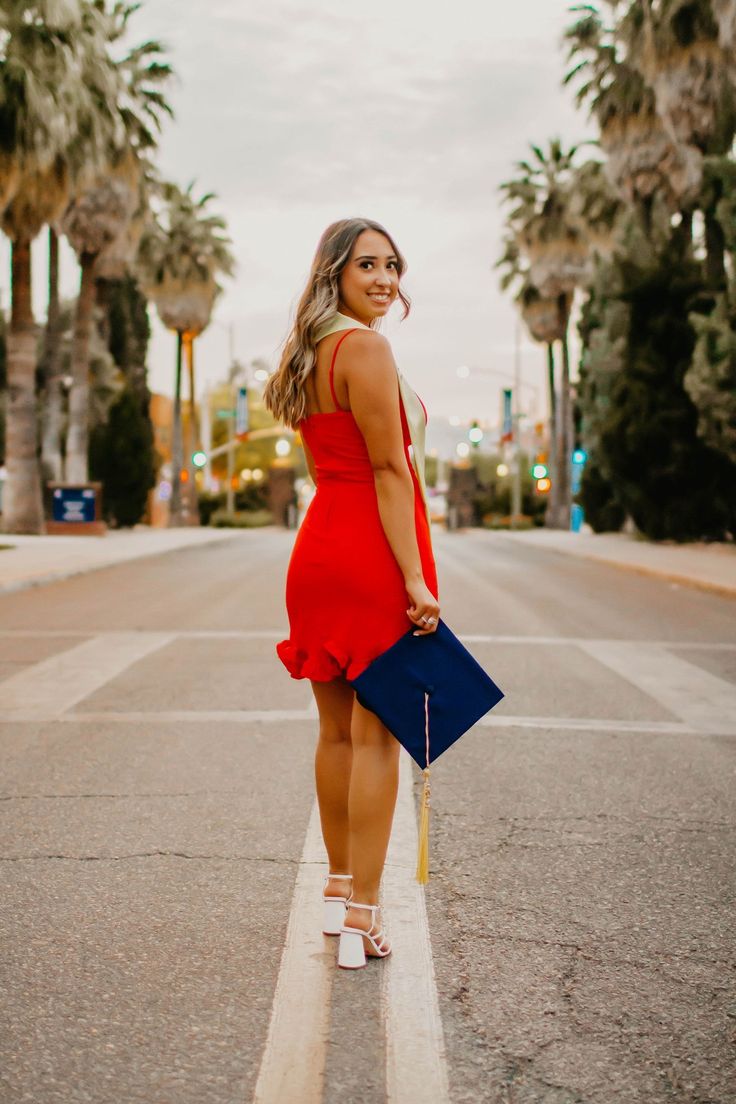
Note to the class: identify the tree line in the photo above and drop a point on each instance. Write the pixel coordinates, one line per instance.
(81, 115)
(643, 234)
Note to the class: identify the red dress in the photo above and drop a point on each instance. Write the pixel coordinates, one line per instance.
(345, 593)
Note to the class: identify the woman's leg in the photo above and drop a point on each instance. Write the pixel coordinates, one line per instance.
(373, 788)
(332, 767)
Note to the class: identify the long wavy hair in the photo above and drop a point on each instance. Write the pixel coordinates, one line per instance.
(284, 394)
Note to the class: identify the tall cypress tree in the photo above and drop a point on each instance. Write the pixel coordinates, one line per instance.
(123, 457)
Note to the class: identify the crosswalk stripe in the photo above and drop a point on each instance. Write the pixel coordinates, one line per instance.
(58, 683)
(279, 716)
(700, 699)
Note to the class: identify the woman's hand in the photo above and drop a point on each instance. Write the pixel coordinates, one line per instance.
(423, 605)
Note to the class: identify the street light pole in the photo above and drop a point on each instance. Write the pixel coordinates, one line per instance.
(231, 425)
(516, 429)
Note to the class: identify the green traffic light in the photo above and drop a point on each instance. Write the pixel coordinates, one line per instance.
(199, 459)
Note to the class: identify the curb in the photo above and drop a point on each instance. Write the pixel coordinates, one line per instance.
(724, 590)
(59, 576)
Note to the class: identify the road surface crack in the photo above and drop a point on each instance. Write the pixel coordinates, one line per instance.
(149, 854)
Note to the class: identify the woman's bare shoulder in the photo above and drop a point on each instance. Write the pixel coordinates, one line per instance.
(362, 343)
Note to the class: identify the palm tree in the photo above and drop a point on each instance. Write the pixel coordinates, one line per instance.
(643, 161)
(52, 409)
(102, 209)
(182, 252)
(46, 106)
(548, 229)
(678, 49)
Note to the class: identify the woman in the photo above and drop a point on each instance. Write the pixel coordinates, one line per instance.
(361, 571)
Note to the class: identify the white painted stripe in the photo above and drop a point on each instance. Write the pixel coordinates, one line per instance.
(245, 716)
(416, 1065)
(700, 699)
(49, 688)
(293, 1062)
(278, 634)
(181, 716)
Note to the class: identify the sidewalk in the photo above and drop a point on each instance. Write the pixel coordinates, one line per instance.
(30, 561)
(706, 566)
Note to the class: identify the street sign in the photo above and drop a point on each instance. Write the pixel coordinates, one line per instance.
(242, 421)
(507, 428)
(74, 504)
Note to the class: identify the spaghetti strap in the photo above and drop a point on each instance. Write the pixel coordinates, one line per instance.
(332, 365)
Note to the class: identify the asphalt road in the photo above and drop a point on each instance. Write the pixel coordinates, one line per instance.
(156, 788)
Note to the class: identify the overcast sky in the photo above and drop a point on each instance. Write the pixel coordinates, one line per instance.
(406, 111)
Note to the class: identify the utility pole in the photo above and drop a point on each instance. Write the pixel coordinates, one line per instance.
(231, 425)
(516, 429)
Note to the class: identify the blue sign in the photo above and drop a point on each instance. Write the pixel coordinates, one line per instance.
(507, 427)
(72, 504)
(242, 422)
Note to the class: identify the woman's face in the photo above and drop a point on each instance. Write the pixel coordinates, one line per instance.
(369, 282)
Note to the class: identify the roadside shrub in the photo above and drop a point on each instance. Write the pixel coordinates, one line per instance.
(241, 519)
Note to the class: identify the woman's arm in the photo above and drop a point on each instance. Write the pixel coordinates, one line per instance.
(372, 382)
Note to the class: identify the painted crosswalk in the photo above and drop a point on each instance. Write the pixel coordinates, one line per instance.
(294, 1057)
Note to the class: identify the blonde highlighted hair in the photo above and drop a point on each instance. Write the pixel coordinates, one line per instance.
(284, 394)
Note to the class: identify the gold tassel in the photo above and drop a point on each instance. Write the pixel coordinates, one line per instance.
(422, 874)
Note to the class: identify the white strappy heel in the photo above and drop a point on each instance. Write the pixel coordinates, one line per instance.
(333, 909)
(351, 952)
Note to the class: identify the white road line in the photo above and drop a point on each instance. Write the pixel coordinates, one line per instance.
(46, 689)
(592, 724)
(416, 1065)
(278, 634)
(293, 1062)
(246, 716)
(700, 699)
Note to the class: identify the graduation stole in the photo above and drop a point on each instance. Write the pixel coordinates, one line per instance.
(413, 409)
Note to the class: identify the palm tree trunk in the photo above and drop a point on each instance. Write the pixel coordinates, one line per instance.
(77, 436)
(22, 503)
(53, 412)
(194, 427)
(550, 517)
(177, 448)
(564, 473)
(715, 245)
(193, 438)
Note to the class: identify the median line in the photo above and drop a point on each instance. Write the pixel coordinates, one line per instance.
(416, 1064)
(293, 1062)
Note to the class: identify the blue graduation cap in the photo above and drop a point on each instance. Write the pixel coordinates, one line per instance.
(427, 690)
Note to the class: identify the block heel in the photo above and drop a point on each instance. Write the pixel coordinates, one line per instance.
(333, 909)
(351, 954)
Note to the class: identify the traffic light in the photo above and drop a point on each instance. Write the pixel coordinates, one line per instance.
(475, 434)
(540, 472)
(199, 458)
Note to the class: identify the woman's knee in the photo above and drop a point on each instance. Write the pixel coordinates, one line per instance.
(371, 732)
(334, 730)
